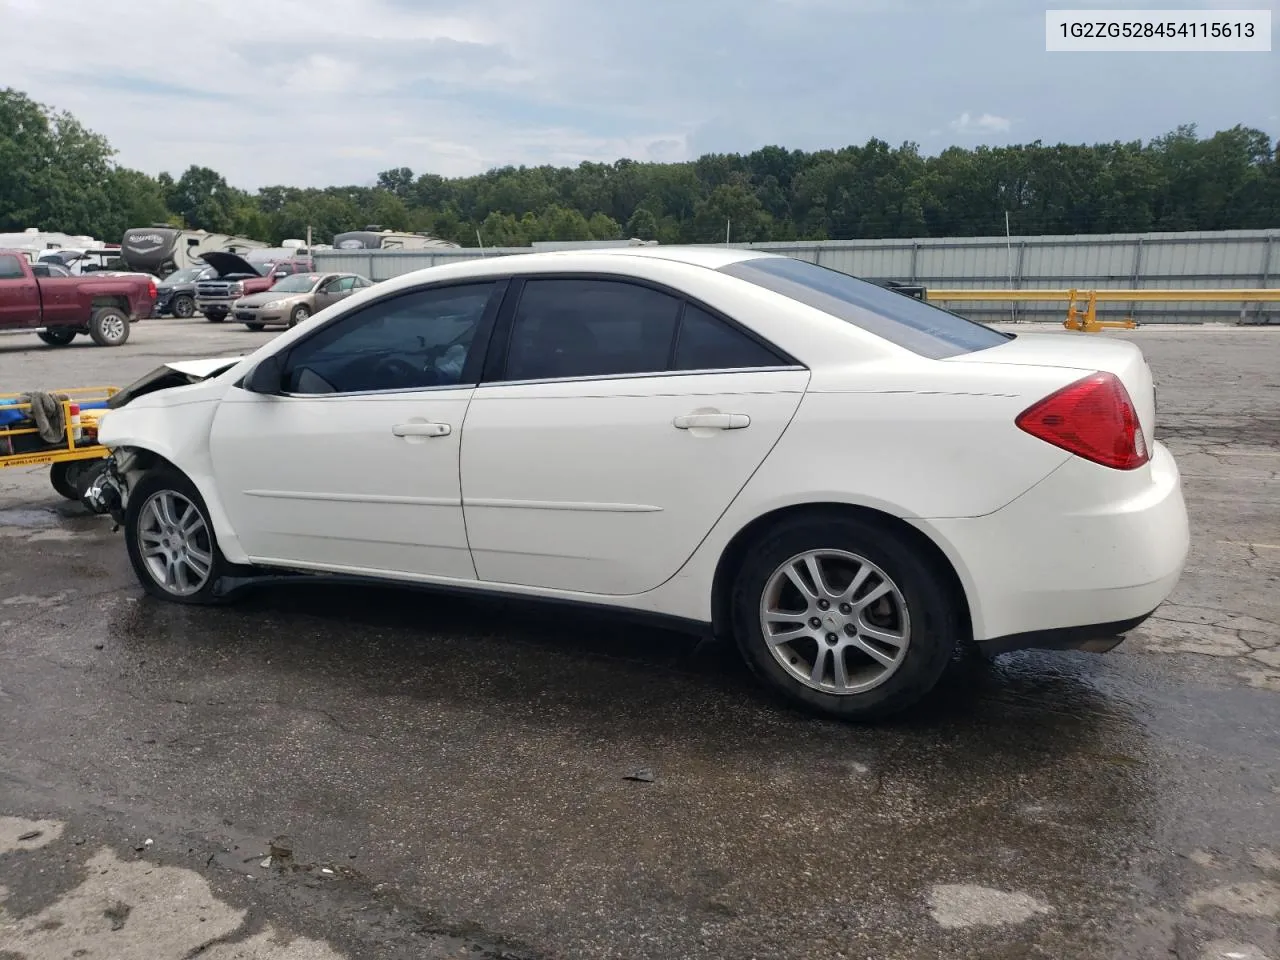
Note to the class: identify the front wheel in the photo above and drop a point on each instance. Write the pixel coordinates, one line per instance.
(844, 617)
(255, 327)
(170, 539)
(57, 336)
(109, 327)
(300, 312)
(215, 316)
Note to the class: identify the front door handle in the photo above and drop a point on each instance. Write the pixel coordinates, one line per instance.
(422, 429)
(712, 421)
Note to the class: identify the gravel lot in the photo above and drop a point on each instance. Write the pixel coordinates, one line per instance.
(452, 774)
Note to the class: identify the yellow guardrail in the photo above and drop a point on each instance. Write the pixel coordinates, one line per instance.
(1087, 319)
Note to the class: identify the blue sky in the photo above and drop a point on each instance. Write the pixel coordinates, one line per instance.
(316, 92)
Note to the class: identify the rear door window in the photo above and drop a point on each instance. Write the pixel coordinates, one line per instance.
(903, 320)
(10, 268)
(566, 328)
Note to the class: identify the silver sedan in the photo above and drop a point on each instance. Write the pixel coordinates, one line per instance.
(295, 298)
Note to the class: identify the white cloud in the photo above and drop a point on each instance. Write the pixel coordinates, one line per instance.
(986, 123)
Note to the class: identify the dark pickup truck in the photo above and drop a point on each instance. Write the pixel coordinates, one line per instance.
(59, 308)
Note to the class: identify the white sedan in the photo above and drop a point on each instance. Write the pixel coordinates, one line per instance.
(849, 482)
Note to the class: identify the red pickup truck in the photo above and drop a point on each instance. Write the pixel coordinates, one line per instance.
(58, 308)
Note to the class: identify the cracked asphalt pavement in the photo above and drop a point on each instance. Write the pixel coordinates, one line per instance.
(361, 772)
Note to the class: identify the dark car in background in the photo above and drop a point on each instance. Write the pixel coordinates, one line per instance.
(176, 294)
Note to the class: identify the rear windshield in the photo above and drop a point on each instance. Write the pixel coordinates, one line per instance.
(910, 323)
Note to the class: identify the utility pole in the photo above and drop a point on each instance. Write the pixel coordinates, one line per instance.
(1008, 256)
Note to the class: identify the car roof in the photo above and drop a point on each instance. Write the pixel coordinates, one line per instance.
(713, 258)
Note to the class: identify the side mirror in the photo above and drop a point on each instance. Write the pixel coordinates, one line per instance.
(267, 377)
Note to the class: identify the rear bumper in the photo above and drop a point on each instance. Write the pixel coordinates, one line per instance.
(1092, 638)
(1083, 556)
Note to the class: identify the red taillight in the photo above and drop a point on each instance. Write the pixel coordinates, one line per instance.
(1093, 418)
(151, 289)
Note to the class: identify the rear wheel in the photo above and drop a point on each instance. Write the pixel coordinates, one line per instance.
(183, 306)
(844, 617)
(170, 539)
(109, 326)
(300, 312)
(57, 336)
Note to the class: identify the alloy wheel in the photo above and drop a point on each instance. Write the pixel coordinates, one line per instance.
(175, 543)
(112, 328)
(835, 621)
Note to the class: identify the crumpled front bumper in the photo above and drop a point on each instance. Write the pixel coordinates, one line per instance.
(107, 493)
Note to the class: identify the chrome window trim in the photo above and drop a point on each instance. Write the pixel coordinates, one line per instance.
(522, 383)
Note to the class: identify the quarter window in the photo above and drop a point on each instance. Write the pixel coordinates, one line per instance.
(708, 343)
(418, 340)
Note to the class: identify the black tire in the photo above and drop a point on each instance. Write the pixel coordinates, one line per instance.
(935, 624)
(57, 336)
(183, 306)
(109, 327)
(215, 316)
(300, 313)
(71, 478)
(255, 327)
(169, 481)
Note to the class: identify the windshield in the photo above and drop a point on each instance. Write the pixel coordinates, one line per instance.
(186, 275)
(298, 283)
(896, 317)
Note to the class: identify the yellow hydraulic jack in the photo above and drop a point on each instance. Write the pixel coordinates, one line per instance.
(1087, 320)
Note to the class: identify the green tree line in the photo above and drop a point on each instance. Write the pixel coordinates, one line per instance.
(57, 175)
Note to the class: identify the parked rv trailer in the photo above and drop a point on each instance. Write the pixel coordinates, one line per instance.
(162, 250)
(33, 241)
(371, 238)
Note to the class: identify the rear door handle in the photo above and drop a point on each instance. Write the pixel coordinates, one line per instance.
(422, 429)
(712, 421)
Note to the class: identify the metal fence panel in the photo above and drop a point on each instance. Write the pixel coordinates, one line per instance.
(1229, 258)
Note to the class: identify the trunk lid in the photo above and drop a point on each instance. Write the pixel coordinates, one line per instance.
(1085, 352)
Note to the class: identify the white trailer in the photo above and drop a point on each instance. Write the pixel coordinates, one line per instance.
(162, 250)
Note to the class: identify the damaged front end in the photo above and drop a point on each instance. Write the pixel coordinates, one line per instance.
(108, 493)
(109, 490)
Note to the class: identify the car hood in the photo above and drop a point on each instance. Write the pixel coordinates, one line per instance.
(269, 296)
(227, 263)
(203, 369)
(177, 373)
